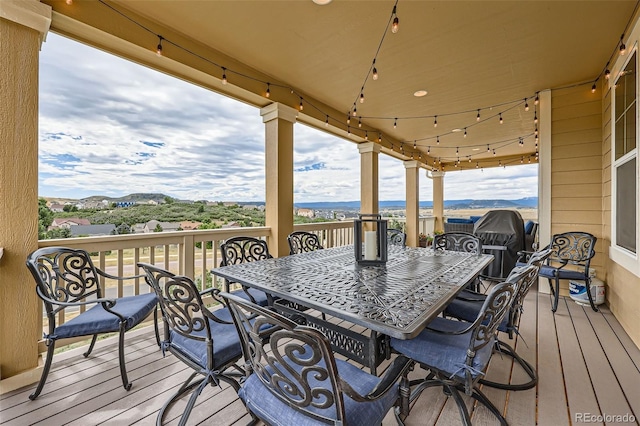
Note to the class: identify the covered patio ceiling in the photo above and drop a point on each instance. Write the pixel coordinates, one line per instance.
(473, 57)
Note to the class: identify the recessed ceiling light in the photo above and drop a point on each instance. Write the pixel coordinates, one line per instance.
(322, 2)
(475, 149)
(456, 130)
(420, 93)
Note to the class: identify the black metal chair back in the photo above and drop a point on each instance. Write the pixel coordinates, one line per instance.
(66, 278)
(205, 340)
(238, 250)
(396, 237)
(302, 242)
(458, 241)
(295, 364)
(573, 249)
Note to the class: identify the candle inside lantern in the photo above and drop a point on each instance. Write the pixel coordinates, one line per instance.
(370, 246)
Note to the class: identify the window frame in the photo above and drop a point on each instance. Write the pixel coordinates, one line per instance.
(620, 255)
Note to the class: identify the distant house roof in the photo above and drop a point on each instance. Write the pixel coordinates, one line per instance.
(166, 226)
(60, 222)
(92, 230)
(188, 225)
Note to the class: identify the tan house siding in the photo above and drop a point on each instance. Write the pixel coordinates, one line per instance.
(622, 287)
(576, 166)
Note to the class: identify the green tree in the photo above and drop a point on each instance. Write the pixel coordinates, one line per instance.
(70, 208)
(45, 218)
(123, 228)
(58, 233)
(200, 209)
(168, 200)
(158, 228)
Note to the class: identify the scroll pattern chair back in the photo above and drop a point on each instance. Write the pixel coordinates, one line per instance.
(295, 379)
(571, 254)
(242, 250)
(302, 242)
(457, 353)
(67, 278)
(458, 241)
(205, 340)
(396, 237)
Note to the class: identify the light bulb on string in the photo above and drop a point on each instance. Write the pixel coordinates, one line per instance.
(607, 74)
(159, 48)
(428, 150)
(396, 22)
(494, 152)
(374, 72)
(477, 165)
(535, 132)
(623, 48)
(395, 123)
(326, 122)
(379, 137)
(535, 117)
(301, 106)
(435, 121)
(457, 150)
(355, 111)
(360, 122)
(414, 144)
(69, 2)
(224, 75)
(522, 160)
(593, 88)
(437, 140)
(361, 97)
(501, 121)
(488, 149)
(537, 100)
(465, 132)
(478, 116)
(526, 105)
(348, 130)
(268, 92)
(366, 135)
(469, 158)
(348, 118)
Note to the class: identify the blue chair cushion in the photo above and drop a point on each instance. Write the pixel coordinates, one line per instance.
(226, 343)
(458, 220)
(564, 274)
(444, 352)
(528, 227)
(474, 219)
(262, 402)
(96, 320)
(467, 310)
(260, 297)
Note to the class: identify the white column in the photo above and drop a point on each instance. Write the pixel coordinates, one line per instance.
(412, 175)
(438, 199)
(544, 177)
(369, 152)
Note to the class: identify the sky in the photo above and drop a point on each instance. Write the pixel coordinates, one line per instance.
(111, 127)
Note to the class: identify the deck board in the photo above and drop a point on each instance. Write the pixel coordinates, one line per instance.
(584, 359)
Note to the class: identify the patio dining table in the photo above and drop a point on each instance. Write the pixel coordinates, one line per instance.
(397, 299)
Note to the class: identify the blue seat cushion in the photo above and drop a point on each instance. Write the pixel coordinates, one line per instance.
(474, 219)
(264, 404)
(260, 297)
(564, 274)
(226, 343)
(445, 352)
(459, 220)
(96, 320)
(528, 227)
(467, 310)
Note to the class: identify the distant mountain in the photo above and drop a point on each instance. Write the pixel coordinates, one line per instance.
(131, 197)
(529, 202)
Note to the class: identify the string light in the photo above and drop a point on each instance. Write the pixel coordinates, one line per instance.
(428, 150)
(361, 97)
(348, 118)
(535, 117)
(457, 151)
(469, 158)
(478, 116)
(526, 105)
(437, 140)
(359, 121)
(355, 111)
(494, 152)
(374, 72)
(501, 121)
(435, 121)
(326, 122)
(366, 135)
(396, 22)
(477, 165)
(488, 149)
(623, 48)
(395, 123)
(348, 130)
(69, 2)
(537, 99)
(522, 160)
(301, 107)
(268, 93)
(414, 144)
(593, 88)
(160, 38)
(380, 139)
(224, 75)
(465, 132)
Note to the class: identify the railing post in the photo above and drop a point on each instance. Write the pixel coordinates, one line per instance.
(188, 261)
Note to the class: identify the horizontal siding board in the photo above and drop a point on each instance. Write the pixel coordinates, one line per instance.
(584, 217)
(576, 191)
(572, 164)
(576, 110)
(576, 177)
(577, 124)
(577, 138)
(577, 150)
(576, 204)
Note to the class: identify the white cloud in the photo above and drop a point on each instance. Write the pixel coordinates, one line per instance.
(111, 127)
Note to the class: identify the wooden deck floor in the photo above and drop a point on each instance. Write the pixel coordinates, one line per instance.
(588, 367)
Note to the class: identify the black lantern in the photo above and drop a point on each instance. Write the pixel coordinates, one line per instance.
(370, 239)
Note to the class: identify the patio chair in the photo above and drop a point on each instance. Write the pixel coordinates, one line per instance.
(468, 304)
(302, 242)
(242, 250)
(571, 254)
(67, 281)
(457, 353)
(204, 340)
(294, 378)
(457, 241)
(396, 237)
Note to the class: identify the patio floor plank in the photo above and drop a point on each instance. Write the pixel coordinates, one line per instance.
(587, 353)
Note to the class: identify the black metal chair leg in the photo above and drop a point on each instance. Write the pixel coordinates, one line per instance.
(555, 292)
(123, 369)
(186, 387)
(506, 349)
(155, 326)
(192, 402)
(591, 302)
(482, 398)
(462, 408)
(45, 370)
(93, 342)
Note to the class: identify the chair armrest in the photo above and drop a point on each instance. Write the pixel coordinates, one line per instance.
(114, 277)
(397, 369)
(212, 316)
(481, 297)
